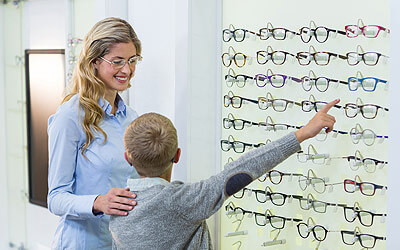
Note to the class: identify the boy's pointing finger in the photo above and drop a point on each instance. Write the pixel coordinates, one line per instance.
(329, 105)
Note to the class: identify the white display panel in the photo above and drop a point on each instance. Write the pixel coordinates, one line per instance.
(292, 15)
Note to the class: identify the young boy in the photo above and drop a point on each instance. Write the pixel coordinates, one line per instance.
(172, 215)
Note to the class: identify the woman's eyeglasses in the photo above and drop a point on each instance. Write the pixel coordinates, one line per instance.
(276, 176)
(366, 218)
(120, 63)
(367, 83)
(366, 240)
(320, 83)
(237, 34)
(321, 33)
(369, 31)
(366, 188)
(368, 111)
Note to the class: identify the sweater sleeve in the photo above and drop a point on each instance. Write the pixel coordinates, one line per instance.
(63, 146)
(198, 201)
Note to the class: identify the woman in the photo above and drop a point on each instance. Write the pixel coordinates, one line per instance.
(87, 169)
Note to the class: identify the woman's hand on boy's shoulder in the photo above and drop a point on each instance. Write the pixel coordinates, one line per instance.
(320, 121)
(116, 202)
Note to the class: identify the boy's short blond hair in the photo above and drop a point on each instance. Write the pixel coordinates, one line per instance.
(151, 143)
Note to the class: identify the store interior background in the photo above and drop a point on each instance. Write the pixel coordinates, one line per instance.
(178, 77)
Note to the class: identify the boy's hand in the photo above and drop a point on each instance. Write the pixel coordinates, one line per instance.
(116, 202)
(317, 123)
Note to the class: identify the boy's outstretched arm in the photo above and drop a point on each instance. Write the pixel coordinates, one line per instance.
(198, 201)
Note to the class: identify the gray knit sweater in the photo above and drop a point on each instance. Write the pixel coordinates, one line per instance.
(172, 215)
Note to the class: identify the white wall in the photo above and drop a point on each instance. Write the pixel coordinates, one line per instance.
(3, 169)
(41, 31)
(394, 132)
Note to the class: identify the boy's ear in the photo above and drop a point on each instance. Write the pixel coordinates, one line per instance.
(126, 158)
(177, 156)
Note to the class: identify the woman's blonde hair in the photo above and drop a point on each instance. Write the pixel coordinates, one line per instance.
(85, 82)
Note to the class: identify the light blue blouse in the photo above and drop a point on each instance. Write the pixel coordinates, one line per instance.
(75, 182)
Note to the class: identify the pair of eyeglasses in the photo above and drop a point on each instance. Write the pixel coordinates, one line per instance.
(367, 135)
(321, 58)
(240, 80)
(278, 57)
(276, 33)
(369, 58)
(369, 31)
(366, 218)
(279, 105)
(276, 80)
(276, 176)
(319, 159)
(318, 184)
(319, 232)
(368, 111)
(367, 83)
(316, 205)
(239, 59)
(262, 196)
(366, 240)
(323, 135)
(120, 62)
(366, 188)
(320, 83)
(237, 124)
(320, 33)
(236, 101)
(238, 146)
(237, 34)
(355, 161)
(239, 212)
(277, 222)
(307, 105)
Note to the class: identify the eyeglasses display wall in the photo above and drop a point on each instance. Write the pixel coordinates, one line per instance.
(281, 62)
